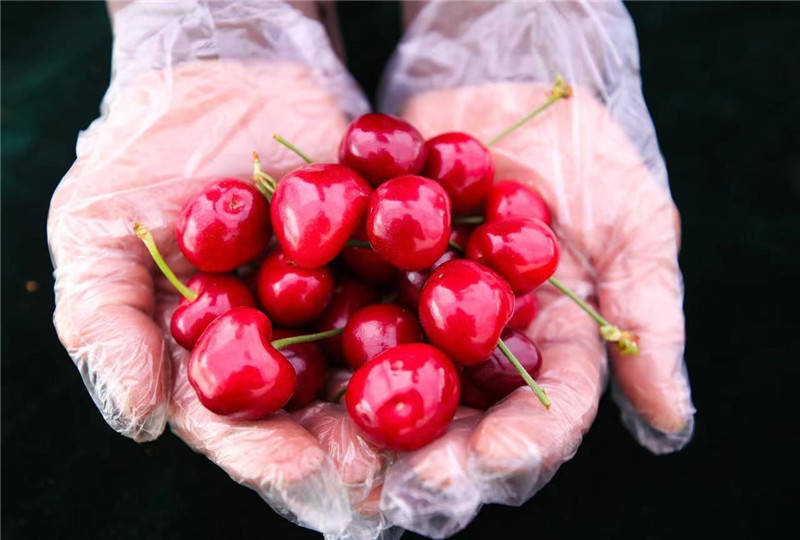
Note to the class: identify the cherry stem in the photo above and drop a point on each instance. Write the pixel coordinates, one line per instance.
(455, 246)
(468, 220)
(537, 390)
(353, 242)
(339, 394)
(559, 91)
(264, 182)
(292, 147)
(147, 239)
(285, 342)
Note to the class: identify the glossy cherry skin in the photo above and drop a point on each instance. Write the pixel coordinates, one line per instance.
(523, 251)
(216, 295)
(405, 397)
(224, 226)
(376, 328)
(463, 166)
(315, 209)
(348, 297)
(463, 308)
(410, 283)
(525, 310)
(309, 365)
(408, 221)
(494, 379)
(291, 295)
(368, 264)
(380, 147)
(235, 370)
(509, 199)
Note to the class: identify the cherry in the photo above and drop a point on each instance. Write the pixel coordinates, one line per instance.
(223, 226)
(310, 368)
(509, 199)
(408, 221)
(376, 328)
(204, 298)
(459, 236)
(291, 295)
(315, 209)
(236, 371)
(525, 310)
(463, 308)
(348, 297)
(463, 166)
(410, 283)
(523, 251)
(405, 397)
(494, 379)
(380, 147)
(367, 263)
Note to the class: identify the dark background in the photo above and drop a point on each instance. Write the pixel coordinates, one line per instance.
(721, 81)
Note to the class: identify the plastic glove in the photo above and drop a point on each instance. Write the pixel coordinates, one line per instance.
(196, 88)
(478, 68)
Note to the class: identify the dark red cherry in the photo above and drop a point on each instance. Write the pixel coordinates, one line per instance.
(523, 251)
(235, 370)
(494, 379)
(216, 295)
(376, 328)
(509, 199)
(348, 297)
(410, 283)
(291, 295)
(309, 366)
(223, 226)
(525, 310)
(463, 166)
(380, 147)
(463, 308)
(315, 209)
(405, 397)
(368, 264)
(408, 221)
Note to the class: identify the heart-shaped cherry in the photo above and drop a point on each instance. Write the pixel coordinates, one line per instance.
(405, 397)
(367, 263)
(348, 297)
(376, 328)
(315, 209)
(463, 166)
(463, 308)
(525, 310)
(486, 383)
(408, 221)
(523, 251)
(236, 371)
(291, 295)
(223, 226)
(380, 147)
(204, 298)
(509, 199)
(309, 365)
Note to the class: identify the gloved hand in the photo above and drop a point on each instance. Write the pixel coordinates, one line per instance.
(196, 88)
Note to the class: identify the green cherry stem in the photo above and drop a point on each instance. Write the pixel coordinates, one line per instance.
(292, 147)
(339, 394)
(559, 91)
(353, 242)
(285, 342)
(455, 246)
(537, 390)
(263, 181)
(468, 220)
(147, 239)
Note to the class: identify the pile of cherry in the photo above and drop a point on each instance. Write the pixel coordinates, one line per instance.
(408, 261)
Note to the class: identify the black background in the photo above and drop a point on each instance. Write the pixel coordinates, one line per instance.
(721, 81)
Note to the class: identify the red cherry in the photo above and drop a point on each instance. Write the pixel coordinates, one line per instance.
(509, 199)
(315, 209)
(408, 221)
(368, 264)
(380, 147)
(291, 295)
(494, 379)
(405, 397)
(463, 308)
(309, 366)
(236, 371)
(525, 310)
(376, 328)
(216, 295)
(223, 226)
(463, 166)
(409, 284)
(523, 251)
(348, 297)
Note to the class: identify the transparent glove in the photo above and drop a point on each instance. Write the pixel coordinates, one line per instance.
(196, 88)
